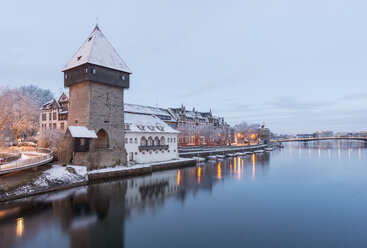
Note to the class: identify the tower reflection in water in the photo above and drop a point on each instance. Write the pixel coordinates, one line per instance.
(95, 215)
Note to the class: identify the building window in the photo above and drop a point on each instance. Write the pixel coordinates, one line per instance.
(44, 117)
(174, 150)
(136, 153)
(49, 126)
(54, 126)
(174, 140)
(62, 125)
(66, 76)
(136, 141)
(54, 116)
(126, 141)
(123, 77)
(49, 116)
(131, 140)
(94, 71)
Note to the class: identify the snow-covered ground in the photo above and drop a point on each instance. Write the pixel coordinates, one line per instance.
(55, 177)
(61, 175)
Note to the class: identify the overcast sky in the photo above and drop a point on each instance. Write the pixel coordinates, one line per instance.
(299, 66)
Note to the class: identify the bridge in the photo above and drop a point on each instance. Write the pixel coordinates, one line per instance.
(321, 138)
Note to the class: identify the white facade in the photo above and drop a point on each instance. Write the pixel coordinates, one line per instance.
(148, 139)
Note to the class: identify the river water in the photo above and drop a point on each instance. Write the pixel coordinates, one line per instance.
(304, 195)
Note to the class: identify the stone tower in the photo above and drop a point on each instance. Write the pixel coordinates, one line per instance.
(96, 77)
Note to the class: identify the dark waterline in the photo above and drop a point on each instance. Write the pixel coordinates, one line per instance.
(312, 195)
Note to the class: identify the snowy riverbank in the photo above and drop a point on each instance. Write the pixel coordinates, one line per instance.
(60, 177)
(55, 178)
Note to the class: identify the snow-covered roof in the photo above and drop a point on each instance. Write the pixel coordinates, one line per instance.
(98, 51)
(82, 132)
(140, 109)
(147, 124)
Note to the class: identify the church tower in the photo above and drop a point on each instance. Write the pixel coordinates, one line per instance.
(97, 77)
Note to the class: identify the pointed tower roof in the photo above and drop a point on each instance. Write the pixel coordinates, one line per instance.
(98, 51)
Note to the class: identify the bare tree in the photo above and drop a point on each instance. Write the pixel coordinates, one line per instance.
(19, 112)
(50, 138)
(41, 95)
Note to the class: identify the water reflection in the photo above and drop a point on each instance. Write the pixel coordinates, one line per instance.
(98, 215)
(20, 227)
(94, 215)
(327, 147)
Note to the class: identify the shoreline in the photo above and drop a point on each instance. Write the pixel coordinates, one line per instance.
(118, 172)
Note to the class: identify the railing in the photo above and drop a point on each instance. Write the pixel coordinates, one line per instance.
(150, 148)
(37, 157)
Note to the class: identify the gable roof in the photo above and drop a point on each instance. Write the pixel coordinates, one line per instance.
(162, 113)
(98, 51)
(136, 121)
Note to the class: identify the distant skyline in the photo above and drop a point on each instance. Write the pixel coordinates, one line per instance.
(298, 66)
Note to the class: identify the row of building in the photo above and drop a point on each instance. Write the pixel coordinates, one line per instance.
(101, 130)
(54, 115)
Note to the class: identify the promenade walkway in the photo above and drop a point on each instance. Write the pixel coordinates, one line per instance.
(30, 157)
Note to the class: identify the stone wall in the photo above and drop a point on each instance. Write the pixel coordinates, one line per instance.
(79, 103)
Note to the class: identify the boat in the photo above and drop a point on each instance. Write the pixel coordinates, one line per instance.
(229, 155)
(269, 149)
(212, 157)
(238, 154)
(221, 157)
(199, 159)
(248, 153)
(259, 151)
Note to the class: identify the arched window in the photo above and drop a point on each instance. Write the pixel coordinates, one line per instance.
(131, 140)
(150, 141)
(136, 141)
(174, 140)
(143, 141)
(156, 141)
(102, 140)
(162, 141)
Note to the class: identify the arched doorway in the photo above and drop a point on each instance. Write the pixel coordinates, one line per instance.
(102, 141)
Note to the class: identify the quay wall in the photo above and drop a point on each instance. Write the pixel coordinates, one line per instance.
(148, 169)
(220, 151)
